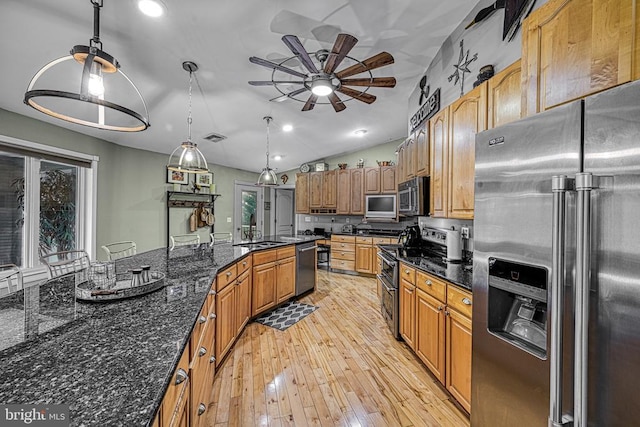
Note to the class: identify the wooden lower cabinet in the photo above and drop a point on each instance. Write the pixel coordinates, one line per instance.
(225, 321)
(264, 287)
(364, 259)
(274, 278)
(459, 357)
(430, 333)
(407, 312)
(243, 301)
(285, 278)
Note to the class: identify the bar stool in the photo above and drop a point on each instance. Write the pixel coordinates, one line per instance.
(119, 250)
(324, 254)
(10, 279)
(184, 240)
(66, 262)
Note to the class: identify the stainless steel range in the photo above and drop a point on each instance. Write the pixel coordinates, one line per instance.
(389, 298)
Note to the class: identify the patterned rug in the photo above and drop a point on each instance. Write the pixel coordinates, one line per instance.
(286, 315)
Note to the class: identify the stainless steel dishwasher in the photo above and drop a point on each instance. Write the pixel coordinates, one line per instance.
(305, 267)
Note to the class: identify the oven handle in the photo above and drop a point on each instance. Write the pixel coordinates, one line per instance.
(392, 263)
(384, 284)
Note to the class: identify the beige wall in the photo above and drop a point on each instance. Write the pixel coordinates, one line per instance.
(131, 183)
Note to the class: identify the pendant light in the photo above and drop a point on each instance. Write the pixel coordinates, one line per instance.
(268, 176)
(106, 98)
(187, 157)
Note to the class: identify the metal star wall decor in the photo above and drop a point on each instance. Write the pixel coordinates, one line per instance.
(462, 67)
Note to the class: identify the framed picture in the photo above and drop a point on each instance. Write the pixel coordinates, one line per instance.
(175, 177)
(204, 179)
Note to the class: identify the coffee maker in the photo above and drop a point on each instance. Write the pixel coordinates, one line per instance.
(410, 237)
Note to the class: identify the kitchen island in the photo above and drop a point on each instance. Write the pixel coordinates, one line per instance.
(110, 362)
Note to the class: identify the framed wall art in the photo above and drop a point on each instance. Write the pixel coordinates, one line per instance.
(175, 177)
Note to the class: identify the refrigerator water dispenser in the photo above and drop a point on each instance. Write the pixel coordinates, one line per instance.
(517, 305)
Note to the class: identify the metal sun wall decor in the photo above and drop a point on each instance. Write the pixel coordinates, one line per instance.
(462, 67)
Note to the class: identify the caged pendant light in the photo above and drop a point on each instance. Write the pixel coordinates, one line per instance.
(268, 176)
(187, 157)
(106, 97)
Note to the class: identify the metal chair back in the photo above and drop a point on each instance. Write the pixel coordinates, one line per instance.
(220, 237)
(184, 240)
(10, 279)
(66, 262)
(119, 250)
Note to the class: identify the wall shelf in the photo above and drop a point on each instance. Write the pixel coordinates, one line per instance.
(183, 199)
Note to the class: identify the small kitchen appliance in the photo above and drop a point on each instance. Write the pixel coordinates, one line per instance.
(449, 240)
(347, 228)
(410, 237)
(413, 196)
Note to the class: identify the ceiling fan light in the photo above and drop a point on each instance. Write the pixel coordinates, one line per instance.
(321, 87)
(151, 8)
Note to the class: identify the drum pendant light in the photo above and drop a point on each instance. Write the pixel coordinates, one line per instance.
(187, 157)
(106, 98)
(268, 176)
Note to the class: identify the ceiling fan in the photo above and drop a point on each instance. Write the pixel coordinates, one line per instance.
(319, 74)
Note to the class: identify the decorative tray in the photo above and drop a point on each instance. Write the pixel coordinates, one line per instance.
(104, 285)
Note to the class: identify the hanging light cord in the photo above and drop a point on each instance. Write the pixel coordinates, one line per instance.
(95, 41)
(268, 119)
(189, 119)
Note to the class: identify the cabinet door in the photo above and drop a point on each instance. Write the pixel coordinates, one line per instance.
(243, 300)
(504, 96)
(264, 287)
(459, 357)
(400, 167)
(357, 191)
(467, 117)
(439, 151)
(329, 189)
(225, 321)
(344, 192)
(363, 259)
(388, 179)
(286, 278)
(430, 333)
(410, 158)
(315, 189)
(372, 181)
(302, 193)
(571, 49)
(407, 312)
(422, 150)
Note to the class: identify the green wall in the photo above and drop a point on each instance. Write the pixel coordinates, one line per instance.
(131, 183)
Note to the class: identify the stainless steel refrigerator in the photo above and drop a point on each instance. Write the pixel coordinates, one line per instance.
(556, 279)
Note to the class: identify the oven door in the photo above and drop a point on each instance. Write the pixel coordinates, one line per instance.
(389, 305)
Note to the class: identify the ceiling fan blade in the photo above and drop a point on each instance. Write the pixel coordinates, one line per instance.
(341, 48)
(355, 94)
(288, 95)
(337, 103)
(376, 61)
(311, 102)
(269, 64)
(375, 82)
(274, 82)
(294, 44)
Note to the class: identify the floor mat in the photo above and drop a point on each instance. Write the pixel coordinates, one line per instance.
(286, 315)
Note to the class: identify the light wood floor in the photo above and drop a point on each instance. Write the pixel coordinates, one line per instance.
(339, 366)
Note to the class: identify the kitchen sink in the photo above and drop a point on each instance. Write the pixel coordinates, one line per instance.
(259, 245)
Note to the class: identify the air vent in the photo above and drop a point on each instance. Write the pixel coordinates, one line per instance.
(214, 137)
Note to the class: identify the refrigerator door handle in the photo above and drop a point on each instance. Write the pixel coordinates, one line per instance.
(585, 183)
(560, 185)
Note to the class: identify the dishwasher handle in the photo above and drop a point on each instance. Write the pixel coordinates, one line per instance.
(307, 249)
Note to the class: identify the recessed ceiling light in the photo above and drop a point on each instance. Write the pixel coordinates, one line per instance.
(277, 157)
(151, 8)
(287, 128)
(360, 132)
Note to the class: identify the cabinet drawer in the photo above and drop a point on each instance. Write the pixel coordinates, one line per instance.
(286, 252)
(244, 265)
(344, 255)
(179, 382)
(343, 247)
(227, 276)
(431, 285)
(364, 240)
(342, 264)
(201, 323)
(383, 240)
(408, 273)
(459, 300)
(264, 257)
(342, 239)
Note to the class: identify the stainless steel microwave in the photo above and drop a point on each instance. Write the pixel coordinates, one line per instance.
(413, 197)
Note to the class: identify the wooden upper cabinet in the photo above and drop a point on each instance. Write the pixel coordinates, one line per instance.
(302, 193)
(388, 179)
(357, 191)
(467, 117)
(329, 189)
(400, 163)
(504, 96)
(422, 150)
(372, 181)
(409, 158)
(344, 192)
(315, 189)
(439, 153)
(573, 48)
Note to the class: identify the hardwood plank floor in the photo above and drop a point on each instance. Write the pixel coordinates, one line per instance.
(339, 366)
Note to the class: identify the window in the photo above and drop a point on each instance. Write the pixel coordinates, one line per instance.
(47, 201)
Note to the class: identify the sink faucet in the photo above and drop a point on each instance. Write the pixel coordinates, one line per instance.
(252, 224)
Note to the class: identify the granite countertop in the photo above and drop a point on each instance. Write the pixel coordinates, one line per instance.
(111, 362)
(459, 274)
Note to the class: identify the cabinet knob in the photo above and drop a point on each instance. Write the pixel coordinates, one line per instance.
(228, 273)
(202, 351)
(244, 264)
(428, 282)
(440, 308)
(406, 272)
(181, 376)
(466, 301)
(201, 408)
(446, 312)
(202, 319)
(212, 359)
(212, 292)
(212, 316)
